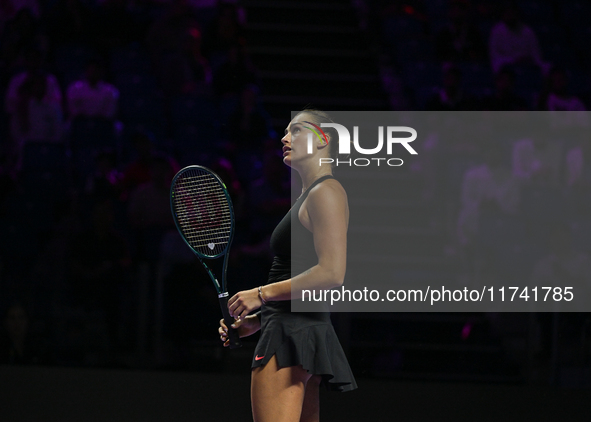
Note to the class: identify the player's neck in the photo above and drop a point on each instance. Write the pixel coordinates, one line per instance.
(310, 177)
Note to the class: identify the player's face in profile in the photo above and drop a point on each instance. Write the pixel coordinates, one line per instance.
(295, 141)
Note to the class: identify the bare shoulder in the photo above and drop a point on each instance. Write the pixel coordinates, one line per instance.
(327, 200)
(328, 191)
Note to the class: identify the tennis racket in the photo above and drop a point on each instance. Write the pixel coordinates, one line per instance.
(203, 214)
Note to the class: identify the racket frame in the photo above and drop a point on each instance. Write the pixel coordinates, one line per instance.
(221, 289)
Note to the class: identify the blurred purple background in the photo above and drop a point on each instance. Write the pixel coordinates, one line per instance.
(105, 100)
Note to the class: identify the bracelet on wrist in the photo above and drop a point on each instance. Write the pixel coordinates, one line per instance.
(261, 295)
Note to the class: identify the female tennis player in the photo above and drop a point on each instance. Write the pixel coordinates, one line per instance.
(298, 351)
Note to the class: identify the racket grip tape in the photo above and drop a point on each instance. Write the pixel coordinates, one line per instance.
(232, 332)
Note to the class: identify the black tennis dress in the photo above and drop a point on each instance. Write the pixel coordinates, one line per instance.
(300, 338)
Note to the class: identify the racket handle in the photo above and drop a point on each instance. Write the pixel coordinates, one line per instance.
(232, 332)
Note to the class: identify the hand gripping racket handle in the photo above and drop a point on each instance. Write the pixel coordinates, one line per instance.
(235, 342)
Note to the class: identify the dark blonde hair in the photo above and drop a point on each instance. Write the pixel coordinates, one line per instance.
(318, 117)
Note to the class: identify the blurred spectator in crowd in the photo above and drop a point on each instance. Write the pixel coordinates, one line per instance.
(232, 76)
(105, 182)
(563, 266)
(491, 186)
(138, 171)
(268, 198)
(92, 96)
(556, 96)
(224, 32)
(33, 102)
(249, 126)
(578, 177)
(460, 40)
(98, 259)
(451, 96)
(537, 160)
(427, 164)
(149, 203)
(16, 343)
(34, 62)
(513, 42)
(9, 9)
(34, 67)
(578, 164)
(504, 97)
(186, 71)
(148, 209)
(34, 116)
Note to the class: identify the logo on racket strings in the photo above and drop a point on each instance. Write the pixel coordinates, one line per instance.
(209, 211)
(204, 211)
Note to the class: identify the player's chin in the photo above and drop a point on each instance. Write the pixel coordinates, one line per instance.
(287, 160)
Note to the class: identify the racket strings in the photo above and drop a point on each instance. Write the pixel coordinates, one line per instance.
(200, 230)
(207, 241)
(203, 212)
(217, 216)
(212, 205)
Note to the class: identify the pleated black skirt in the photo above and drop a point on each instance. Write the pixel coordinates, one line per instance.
(303, 338)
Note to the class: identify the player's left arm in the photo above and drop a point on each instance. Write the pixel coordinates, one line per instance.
(329, 220)
(327, 216)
